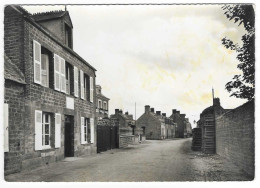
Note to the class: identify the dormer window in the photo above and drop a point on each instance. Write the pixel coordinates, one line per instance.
(68, 36)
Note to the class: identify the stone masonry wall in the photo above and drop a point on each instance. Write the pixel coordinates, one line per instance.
(14, 97)
(235, 137)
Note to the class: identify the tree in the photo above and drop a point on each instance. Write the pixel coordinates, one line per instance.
(242, 85)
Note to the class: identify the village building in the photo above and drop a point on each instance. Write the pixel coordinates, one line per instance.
(156, 126)
(188, 127)
(179, 119)
(101, 104)
(49, 91)
(208, 127)
(127, 128)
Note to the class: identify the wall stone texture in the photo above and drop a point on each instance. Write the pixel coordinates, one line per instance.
(235, 136)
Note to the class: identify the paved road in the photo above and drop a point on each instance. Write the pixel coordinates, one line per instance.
(167, 160)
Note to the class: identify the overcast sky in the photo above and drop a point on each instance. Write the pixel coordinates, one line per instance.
(166, 56)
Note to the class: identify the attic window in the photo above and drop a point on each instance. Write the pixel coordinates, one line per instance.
(68, 36)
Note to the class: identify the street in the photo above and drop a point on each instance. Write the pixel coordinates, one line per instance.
(166, 160)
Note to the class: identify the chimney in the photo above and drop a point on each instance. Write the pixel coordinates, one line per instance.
(158, 112)
(152, 110)
(116, 111)
(164, 114)
(178, 112)
(183, 115)
(120, 111)
(126, 113)
(216, 102)
(147, 108)
(174, 111)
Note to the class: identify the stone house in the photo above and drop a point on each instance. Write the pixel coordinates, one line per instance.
(101, 104)
(179, 119)
(49, 91)
(208, 127)
(188, 127)
(153, 124)
(169, 127)
(127, 127)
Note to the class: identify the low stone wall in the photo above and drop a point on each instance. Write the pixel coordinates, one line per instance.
(125, 140)
(235, 137)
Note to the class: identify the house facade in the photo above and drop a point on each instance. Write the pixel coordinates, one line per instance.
(179, 119)
(208, 126)
(49, 91)
(101, 104)
(154, 124)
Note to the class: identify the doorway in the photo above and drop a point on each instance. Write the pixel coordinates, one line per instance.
(69, 136)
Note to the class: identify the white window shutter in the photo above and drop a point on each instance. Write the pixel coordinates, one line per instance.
(76, 77)
(57, 130)
(57, 72)
(92, 138)
(82, 131)
(91, 89)
(81, 84)
(6, 127)
(38, 130)
(62, 75)
(37, 61)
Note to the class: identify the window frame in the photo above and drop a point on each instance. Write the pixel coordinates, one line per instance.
(44, 114)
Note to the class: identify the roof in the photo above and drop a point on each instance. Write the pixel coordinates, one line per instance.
(12, 72)
(51, 15)
(207, 110)
(48, 15)
(102, 96)
(29, 18)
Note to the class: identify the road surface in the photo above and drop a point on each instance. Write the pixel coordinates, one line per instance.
(161, 160)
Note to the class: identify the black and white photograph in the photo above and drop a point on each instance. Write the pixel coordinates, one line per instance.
(128, 92)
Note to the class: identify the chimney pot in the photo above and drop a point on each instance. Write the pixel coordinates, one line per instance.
(152, 110)
(116, 111)
(147, 108)
(158, 112)
(164, 114)
(174, 111)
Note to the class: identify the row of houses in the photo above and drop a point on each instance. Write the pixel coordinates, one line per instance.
(52, 106)
(157, 126)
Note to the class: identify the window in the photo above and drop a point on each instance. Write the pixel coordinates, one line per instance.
(44, 130)
(105, 105)
(68, 36)
(99, 104)
(45, 68)
(87, 130)
(46, 126)
(76, 82)
(69, 82)
(91, 89)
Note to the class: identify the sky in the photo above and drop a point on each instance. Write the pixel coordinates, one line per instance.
(165, 56)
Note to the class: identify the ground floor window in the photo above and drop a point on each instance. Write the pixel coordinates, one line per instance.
(46, 130)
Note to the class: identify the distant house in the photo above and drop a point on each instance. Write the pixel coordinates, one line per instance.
(127, 127)
(169, 126)
(101, 104)
(155, 125)
(179, 119)
(207, 125)
(188, 127)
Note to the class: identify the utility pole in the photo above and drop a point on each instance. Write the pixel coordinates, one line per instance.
(135, 110)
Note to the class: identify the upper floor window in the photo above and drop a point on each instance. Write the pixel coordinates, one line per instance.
(45, 66)
(69, 78)
(68, 36)
(105, 105)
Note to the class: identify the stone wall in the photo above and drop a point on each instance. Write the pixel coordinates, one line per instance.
(235, 136)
